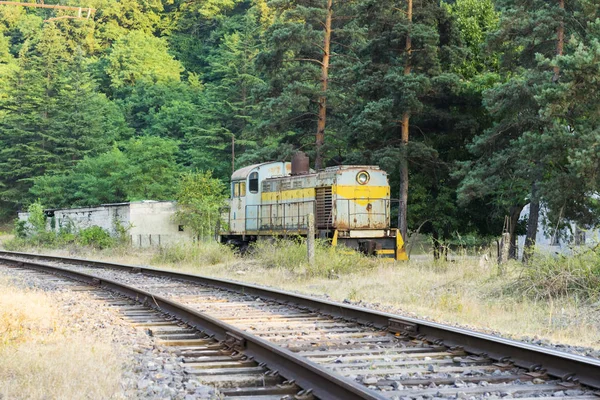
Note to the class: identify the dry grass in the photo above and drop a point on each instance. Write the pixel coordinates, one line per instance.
(465, 291)
(45, 355)
(5, 236)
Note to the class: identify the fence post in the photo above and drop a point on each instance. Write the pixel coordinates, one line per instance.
(310, 239)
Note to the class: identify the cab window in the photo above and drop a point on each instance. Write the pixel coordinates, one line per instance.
(253, 182)
(239, 189)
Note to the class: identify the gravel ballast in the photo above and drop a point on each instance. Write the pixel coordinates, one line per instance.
(150, 371)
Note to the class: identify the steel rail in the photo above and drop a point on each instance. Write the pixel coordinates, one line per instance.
(307, 374)
(569, 367)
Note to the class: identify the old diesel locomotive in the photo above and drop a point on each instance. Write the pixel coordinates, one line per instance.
(350, 204)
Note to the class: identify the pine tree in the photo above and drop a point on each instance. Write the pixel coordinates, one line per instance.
(530, 32)
(27, 141)
(402, 63)
(305, 47)
(54, 116)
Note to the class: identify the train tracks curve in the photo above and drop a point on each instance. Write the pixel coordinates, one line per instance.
(338, 351)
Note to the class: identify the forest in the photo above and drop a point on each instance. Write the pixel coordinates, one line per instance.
(475, 108)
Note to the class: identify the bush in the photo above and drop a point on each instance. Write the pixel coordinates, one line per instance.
(20, 229)
(95, 236)
(37, 218)
(548, 277)
(329, 261)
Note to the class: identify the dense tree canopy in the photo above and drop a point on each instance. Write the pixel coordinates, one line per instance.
(502, 96)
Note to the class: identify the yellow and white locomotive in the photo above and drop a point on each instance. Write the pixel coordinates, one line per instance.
(350, 204)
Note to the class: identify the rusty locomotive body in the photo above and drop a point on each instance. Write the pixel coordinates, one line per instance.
(350, 204)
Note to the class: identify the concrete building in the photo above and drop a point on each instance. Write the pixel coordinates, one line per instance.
(147, 223)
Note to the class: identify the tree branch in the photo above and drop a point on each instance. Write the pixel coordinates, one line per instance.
(308, 59)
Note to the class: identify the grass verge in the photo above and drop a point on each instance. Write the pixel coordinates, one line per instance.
(44, 356)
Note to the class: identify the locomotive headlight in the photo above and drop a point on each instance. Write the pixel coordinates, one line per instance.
(363, 177)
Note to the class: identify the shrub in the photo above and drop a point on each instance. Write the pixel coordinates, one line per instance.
(199, 198)
(37, 218)
(122, 231)
(95, 236)
(20, 229)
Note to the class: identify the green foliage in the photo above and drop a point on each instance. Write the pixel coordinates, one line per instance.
(121, 231)
(152, 169)
(20, 229)
(37, 218)
(199, 199)
(140, 57)
(529, 153)
(141, 169)
(96, 237)
(475, 19)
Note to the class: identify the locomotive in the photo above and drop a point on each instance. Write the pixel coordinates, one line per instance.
(350, 204)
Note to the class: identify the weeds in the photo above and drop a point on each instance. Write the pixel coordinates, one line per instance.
(202, 253)
(329, 262)
(549, 277)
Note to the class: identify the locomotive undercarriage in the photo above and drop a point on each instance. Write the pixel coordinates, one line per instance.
(369, 243)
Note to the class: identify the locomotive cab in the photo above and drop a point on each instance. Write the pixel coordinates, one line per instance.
(246, 194)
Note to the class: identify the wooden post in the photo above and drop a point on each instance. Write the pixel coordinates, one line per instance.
(310, 239)
(504, 248)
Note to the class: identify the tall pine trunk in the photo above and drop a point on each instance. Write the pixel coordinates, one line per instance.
(320, 137)
(534, 207)
(560, 42)
(403, 195)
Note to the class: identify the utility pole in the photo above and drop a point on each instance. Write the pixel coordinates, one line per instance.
(232, 153)
(403, 195)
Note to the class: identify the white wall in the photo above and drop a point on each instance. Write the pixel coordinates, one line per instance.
(154, 224)
(106, 217)
(148, 223)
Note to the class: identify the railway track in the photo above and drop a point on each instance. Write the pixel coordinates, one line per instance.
(336, 351)
(217, 364)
